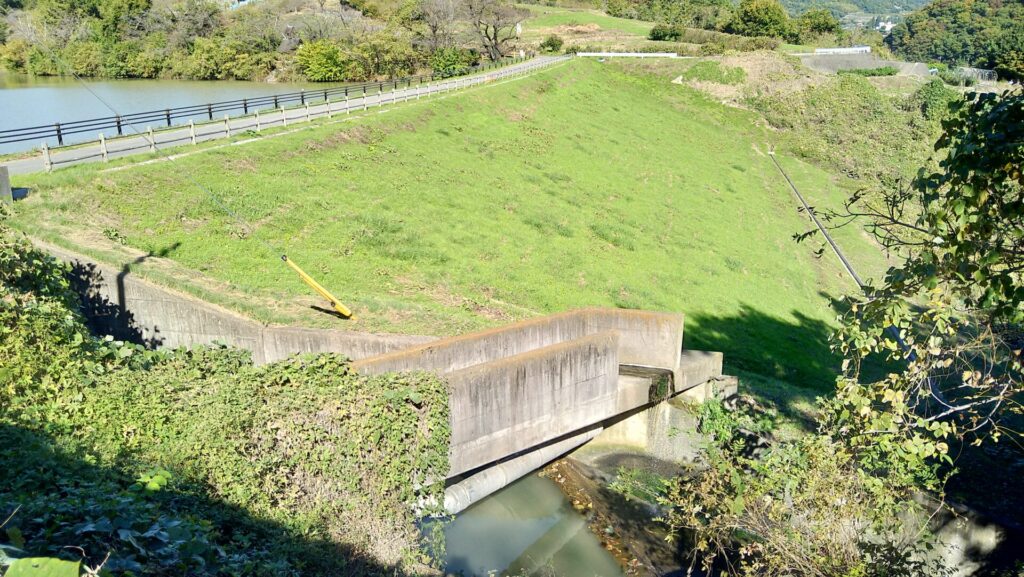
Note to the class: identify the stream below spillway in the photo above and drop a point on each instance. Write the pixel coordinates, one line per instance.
(529, 528)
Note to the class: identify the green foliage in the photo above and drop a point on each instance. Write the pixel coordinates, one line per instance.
(935, 100)
(868, 72)
(817, 21)
(712, 71)
(721, 40)
(322, 61)
(552, 43)
(986, 34)
(452, 61)
(195, 461)
(705, 14)
(762, 18)
(134, 39)
(959, 229)
(851, 125)
(799, 508)
(382, 54)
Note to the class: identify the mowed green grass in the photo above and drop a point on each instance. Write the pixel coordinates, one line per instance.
(583, 185)
(547, 17)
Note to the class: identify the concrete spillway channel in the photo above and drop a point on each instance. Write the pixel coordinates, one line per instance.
(524, 394)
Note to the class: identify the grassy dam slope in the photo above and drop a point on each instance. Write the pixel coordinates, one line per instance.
(587, 184)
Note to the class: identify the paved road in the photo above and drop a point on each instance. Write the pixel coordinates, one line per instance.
(140, 143)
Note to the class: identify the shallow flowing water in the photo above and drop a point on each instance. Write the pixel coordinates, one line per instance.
(527, 528)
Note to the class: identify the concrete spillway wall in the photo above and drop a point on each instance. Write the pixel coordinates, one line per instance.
(506, 406)
(121, 304)
(649, 339)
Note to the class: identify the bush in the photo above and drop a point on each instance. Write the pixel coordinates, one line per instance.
(880, 71)
(552, 43)
(196, 462)
(934, 100)
(447, 62)
(663, 32)
(322, 61)
(726, 41)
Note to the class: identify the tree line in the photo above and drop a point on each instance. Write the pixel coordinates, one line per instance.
(985, 34)
(317, 40)
(753, 18)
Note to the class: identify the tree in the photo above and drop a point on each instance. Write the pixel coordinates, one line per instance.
(440, 18)
(495, 22)
(818, 21)
(947, 319)
(986, 34)
(322, 61)
(762, 18)
(952, 311)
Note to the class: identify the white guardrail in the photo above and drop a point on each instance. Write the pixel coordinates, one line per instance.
(631, 54)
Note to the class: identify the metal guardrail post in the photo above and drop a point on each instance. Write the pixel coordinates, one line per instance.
(227, 126)
(302, 96)
(119, 131)
(284, 117)
(245, 106)
(192, 131)
(209, 111)
(60, 136)
(103, 148)
(328, 101)
(307, 112)
(167, 115)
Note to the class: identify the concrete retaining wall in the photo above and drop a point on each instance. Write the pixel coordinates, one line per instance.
(129, 308)
(503, 407)
(649, 339)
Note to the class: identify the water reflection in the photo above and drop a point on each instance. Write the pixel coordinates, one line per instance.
(39, 100)
(528, 528)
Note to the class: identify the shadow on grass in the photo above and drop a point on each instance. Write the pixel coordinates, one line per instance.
(793, 351)
(62, 504)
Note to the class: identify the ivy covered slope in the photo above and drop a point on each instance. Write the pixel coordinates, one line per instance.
(195, 462)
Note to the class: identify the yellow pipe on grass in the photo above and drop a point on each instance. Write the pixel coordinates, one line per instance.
(342, 309)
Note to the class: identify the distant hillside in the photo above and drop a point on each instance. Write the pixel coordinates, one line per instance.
(986, 34)
(841, 7)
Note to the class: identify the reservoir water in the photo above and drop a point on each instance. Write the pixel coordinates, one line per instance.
(527, 529)
(38, 100)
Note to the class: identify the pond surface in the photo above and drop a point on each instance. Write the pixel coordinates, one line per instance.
(37, 100)
(527, 528)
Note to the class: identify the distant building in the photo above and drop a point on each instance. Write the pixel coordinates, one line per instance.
(886, 26)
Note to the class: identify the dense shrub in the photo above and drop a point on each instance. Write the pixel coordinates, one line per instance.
(452, 61)
(762, 18)
(880, 71)
(986, 34)
(195, 461)
(853, 127)
(552, 43)
(726, 41)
